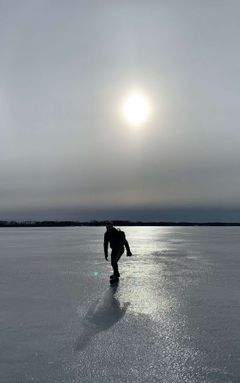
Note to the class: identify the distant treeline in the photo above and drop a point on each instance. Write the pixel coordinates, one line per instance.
(102, 223)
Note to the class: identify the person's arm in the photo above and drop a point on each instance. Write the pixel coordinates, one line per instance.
(105, 246)
(126, 244)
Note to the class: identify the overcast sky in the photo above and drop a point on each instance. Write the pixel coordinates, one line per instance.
(66, 151)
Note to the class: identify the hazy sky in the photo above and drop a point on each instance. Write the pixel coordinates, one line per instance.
(66, 151)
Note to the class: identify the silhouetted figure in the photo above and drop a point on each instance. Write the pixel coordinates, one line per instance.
(117, 241)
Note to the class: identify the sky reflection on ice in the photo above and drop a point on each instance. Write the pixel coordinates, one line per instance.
(175, 309)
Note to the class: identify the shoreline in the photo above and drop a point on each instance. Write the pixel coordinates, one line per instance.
(115, 222)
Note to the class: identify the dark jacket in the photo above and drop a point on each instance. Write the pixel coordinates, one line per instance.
(116, 241)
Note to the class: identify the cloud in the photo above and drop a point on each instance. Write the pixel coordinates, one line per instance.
(64, 73)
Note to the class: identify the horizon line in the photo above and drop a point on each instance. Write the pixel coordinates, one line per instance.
(49, 223)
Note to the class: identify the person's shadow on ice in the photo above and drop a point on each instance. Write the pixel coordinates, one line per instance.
(101, 315)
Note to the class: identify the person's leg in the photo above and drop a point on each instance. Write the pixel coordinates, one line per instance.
(115, 256)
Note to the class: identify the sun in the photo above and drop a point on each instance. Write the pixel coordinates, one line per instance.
(136, 109)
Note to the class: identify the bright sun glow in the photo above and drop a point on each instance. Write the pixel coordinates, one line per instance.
(136, 109)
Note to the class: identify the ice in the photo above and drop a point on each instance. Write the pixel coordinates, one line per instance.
(173, 317)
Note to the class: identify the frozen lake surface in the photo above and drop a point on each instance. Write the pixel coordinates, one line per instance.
(174, 317)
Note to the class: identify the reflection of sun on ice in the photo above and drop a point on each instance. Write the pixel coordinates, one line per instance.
(136, 109)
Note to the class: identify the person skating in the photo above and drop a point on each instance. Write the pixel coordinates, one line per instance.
(116, 239)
